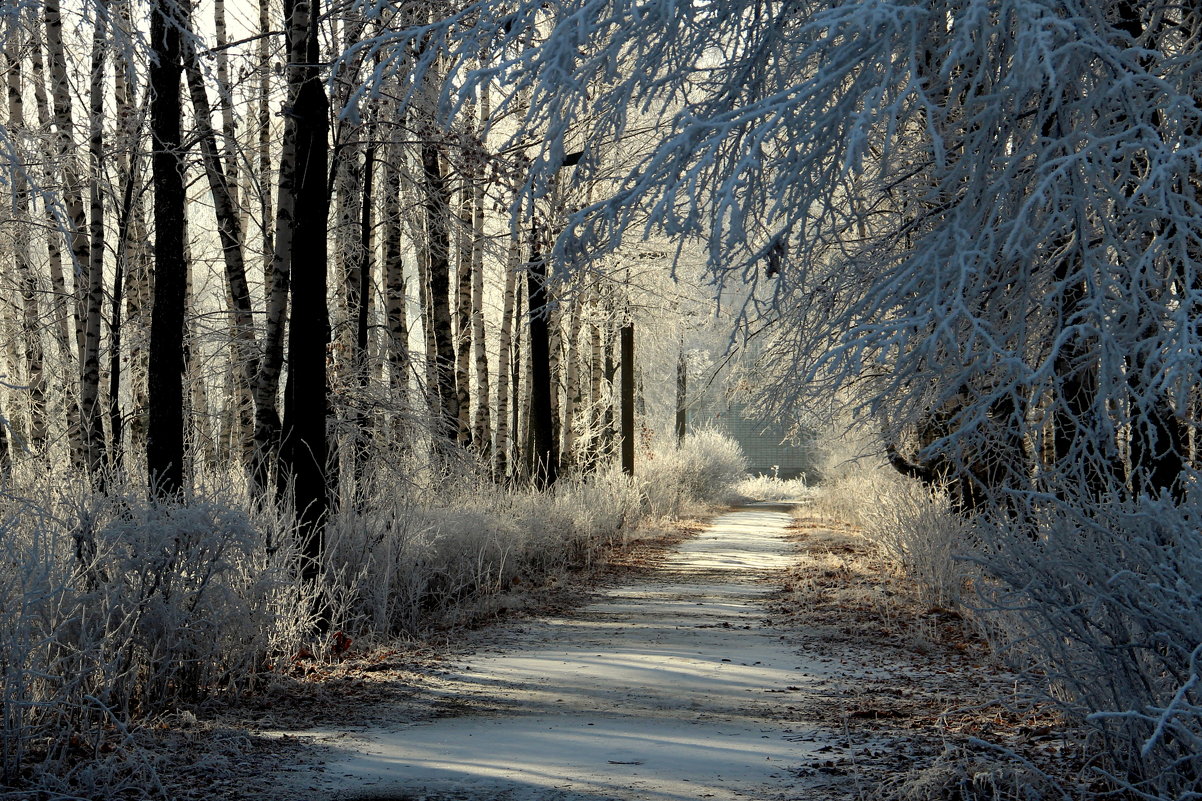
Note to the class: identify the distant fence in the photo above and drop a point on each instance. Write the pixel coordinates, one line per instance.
(763, 441)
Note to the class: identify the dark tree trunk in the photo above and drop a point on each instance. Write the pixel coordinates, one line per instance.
(463, 314)
(515, 384)
(438, 209)
(608, 434)
(165, 429)
(304, 448)
(627, 357)
(545, 461)
(362, 310)
(89, 391)
(682, 397)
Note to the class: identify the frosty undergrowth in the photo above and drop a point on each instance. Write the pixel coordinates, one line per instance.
(1100, 610)
(116, 609)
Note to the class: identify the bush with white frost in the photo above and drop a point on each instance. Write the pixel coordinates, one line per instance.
(1102, 609)
(115, 608)
(1106, 606)
(705, 468)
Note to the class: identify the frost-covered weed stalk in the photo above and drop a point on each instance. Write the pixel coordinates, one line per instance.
(408, 557)
(916, 530)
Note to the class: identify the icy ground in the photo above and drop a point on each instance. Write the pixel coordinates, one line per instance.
(667, 689)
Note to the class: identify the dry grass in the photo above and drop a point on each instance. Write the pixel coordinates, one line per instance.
(914, 688)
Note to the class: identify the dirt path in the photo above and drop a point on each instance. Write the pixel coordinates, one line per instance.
(669, 688)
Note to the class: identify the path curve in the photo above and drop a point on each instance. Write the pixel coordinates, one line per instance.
(669, 688)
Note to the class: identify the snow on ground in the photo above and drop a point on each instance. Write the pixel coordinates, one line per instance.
(666, 689)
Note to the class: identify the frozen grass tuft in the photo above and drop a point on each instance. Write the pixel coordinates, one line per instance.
(916, 530)
(770, 488)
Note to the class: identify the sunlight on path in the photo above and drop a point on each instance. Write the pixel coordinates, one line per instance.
(669, 689)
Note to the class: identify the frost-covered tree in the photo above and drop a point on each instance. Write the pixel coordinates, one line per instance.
(982, 214)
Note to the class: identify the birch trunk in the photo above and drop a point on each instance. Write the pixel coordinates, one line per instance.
(241, 378)
(31, 337)
(483, 422)
(65, 156)
(229, 231)
(89, 391)
(126, 212)
(225, 102)
(125, 149)
(394, 282)
(504, 354)
(198, 420)
(263, 97)
(128, 325)
(267, 383)
(62, 154)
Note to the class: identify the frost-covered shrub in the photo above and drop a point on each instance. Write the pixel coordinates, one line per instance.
(917, 531)
(911, 524)
(113, 608)
(1102, 607)
(1107, 607)
(704, 469)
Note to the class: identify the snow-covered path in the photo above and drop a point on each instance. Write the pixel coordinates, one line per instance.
(668, 689)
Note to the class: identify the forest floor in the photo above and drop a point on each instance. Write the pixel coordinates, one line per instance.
(765, 657)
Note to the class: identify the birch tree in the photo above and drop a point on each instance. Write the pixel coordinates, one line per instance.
(58, 110)
(89, 395)
(229, 230)
(34, 356)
